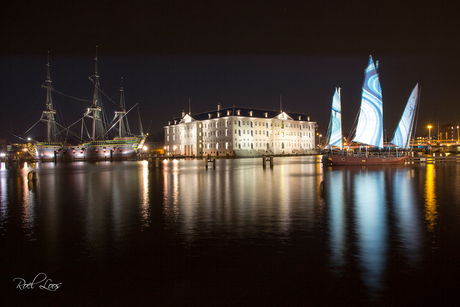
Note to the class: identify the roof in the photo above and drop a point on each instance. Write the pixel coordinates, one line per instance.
(244, 111)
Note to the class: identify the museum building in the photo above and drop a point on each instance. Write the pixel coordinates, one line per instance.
(240, 131)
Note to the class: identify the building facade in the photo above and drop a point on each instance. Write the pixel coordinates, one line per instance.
(449, 133)
(237, 131)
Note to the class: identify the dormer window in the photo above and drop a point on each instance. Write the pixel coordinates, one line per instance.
(250, 113)
(229, 112)
(209, 115)
(266, 114)
(238, 112)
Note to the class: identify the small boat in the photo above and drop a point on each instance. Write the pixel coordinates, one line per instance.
(369, 130)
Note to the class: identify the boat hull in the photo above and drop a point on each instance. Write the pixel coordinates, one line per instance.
(344, 160)
(116, 149)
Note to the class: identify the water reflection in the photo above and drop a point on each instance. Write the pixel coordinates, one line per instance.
(4, 201)
(28, 206)
(371, 228)
(336, 208)
(144, 192)
(238, 198)
(363, 204)
(372, 224)
(431, 212)
(409, 226)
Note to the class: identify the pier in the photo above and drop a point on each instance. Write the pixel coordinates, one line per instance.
(434, 159)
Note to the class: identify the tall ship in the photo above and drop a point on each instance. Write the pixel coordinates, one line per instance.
(368, 138)
(97, 146)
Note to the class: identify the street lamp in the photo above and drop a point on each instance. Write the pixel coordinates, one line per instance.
(429, 133)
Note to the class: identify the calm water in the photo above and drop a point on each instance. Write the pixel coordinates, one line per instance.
(182, 235)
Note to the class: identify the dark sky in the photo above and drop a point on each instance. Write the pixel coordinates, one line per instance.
(237, 54)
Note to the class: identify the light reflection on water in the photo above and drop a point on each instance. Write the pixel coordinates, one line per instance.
(369, 223)
(430, 196)
(238, 198)
(373, 210)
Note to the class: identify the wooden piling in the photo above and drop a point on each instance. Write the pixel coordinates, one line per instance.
(212, 160)
(265, 159)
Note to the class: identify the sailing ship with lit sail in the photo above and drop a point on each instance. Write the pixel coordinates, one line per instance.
(124, 146)
(369, 130)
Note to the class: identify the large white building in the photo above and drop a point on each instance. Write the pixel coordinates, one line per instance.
(238, 131)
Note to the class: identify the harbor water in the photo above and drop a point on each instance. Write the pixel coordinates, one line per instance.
(237, 234)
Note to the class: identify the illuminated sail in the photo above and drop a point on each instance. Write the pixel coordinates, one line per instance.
(369, 130)
(334, 131)
(403, 132)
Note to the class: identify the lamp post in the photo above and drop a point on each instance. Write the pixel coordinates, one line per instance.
(429, 133)
(458, 136)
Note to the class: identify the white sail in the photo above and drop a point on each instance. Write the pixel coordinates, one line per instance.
(403, 132)
(369, 130)
(334, 132)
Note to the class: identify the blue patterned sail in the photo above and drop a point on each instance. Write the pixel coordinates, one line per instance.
(334, 131)
(369, 130)
(403, 132)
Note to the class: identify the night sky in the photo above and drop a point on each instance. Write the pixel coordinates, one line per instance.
(237, 54)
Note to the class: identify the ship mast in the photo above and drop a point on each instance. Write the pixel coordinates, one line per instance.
(95, 108)
(121, 112)
(48, 114)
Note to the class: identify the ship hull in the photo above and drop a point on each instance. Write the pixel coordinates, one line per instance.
(344, 160)
(116, 149)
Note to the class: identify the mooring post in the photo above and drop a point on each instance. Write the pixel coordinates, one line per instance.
(157, 163)
(264, 162)
(32, 176)
(271, 161)
(212, 160)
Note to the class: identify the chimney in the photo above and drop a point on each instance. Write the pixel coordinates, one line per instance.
(218, 106)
